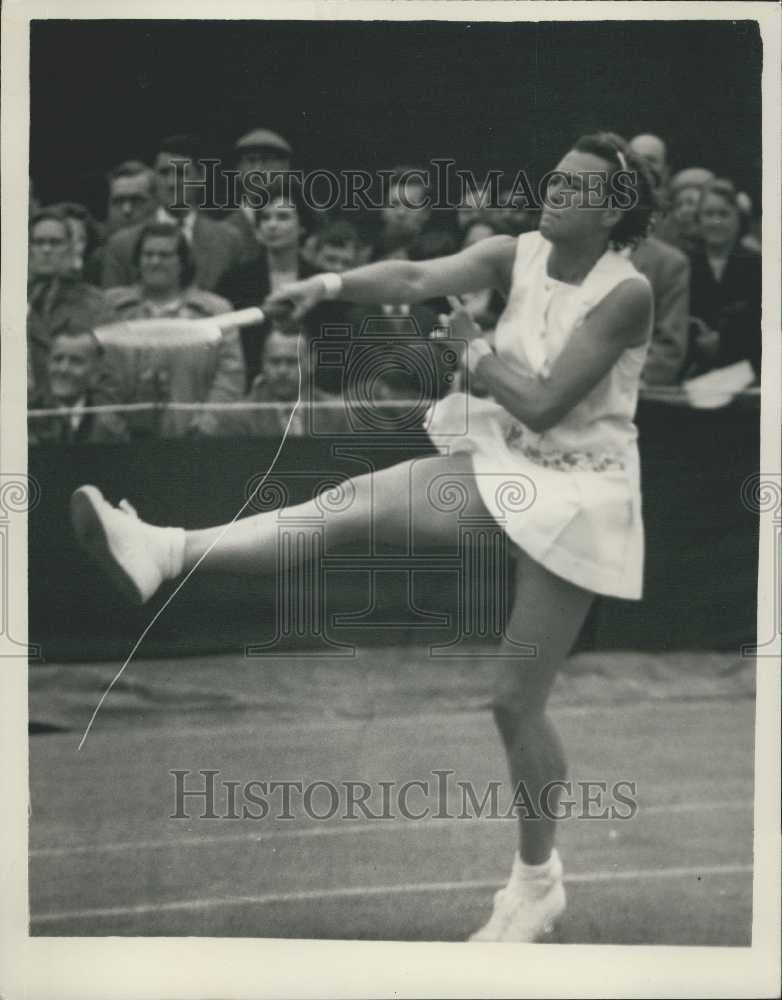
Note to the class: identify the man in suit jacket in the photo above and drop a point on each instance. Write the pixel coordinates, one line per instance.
(668, 271)
(216, 246)
(132, 195)
(259, 152)
(74, 380)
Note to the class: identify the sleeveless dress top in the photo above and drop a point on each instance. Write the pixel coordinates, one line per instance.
(570, 497)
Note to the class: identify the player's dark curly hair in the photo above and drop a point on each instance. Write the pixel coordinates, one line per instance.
(637, 182)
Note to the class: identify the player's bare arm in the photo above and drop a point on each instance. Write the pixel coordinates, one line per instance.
(487, 264)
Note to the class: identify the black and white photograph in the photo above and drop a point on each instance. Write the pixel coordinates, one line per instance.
(390, 525)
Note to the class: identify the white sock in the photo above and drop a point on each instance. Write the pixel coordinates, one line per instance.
(549, 870)
(172, 545)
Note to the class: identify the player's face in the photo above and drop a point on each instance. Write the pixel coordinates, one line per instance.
(279, 226)
(719, 221)
(576, 205)
(281, 366)
(159, 264)
(50, 247)
(70, 367)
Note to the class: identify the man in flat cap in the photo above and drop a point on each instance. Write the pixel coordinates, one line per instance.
(258, 153)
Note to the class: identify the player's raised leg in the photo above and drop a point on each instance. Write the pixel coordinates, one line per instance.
(396, 505)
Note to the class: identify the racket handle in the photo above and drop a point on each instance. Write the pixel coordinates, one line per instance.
(242, 317)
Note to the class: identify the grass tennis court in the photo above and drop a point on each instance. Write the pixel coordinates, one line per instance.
(107, 859)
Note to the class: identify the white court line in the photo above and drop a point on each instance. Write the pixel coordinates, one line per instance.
(346, 892)
(338, 724)
(380, 826)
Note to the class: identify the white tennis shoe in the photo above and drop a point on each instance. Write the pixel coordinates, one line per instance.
(137, 556)
(528, 907)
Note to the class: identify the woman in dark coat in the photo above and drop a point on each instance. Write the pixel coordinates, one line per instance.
(282, 226)
(725, 285)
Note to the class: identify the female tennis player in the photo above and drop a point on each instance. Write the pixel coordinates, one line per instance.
(563, 380)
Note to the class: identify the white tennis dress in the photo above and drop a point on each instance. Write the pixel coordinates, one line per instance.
(570, 497)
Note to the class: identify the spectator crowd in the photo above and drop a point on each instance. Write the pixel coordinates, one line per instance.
(160, 256)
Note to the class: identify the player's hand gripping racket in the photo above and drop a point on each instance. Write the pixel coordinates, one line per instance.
(294, 301)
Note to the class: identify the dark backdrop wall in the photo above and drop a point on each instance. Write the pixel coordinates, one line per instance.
(372, 94)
